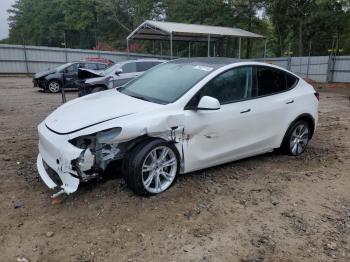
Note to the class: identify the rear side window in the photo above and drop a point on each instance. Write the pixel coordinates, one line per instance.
(144, 66)
(272, 81)
(129, 67)
(101, 66)
(291, 80)
(91, 66)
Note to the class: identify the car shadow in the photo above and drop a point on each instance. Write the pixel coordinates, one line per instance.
(114, 172)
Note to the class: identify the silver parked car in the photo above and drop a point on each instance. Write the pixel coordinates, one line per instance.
(115, 76)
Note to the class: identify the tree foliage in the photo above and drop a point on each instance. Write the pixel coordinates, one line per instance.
(291, 26)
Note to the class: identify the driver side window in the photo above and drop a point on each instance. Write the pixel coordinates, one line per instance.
(72, 68)
(228, 87)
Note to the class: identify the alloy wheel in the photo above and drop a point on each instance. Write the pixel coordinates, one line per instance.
(54, 87)
(159, 169)
(299, 139)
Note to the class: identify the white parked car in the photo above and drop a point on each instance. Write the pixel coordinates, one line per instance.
(181, 116)
(114, 76)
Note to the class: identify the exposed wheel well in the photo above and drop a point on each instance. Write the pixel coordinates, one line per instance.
(54, 79)
(141, 139)
(130, 145)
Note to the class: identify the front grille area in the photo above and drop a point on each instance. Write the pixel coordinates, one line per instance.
(39, 83)
(52, 174)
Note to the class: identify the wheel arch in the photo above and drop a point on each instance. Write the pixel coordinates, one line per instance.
(306, 117)
(53, 79)
(146, 138)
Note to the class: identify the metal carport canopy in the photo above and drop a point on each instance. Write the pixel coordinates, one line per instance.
(156, 30)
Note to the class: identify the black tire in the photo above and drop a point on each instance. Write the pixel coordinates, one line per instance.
(53, 86)
(289, 146)
(134, 159)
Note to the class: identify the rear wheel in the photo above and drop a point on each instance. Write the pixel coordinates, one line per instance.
(151, 167)
(297, 138)
(54, 86)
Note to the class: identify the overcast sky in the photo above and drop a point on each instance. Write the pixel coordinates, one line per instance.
(4, 27)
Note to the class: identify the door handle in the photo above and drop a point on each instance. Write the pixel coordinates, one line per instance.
(290, 102)
(245, 111)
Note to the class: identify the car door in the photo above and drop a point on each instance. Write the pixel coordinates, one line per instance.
(275, 99)
(71, 74)
(219, 136)
(129, 70)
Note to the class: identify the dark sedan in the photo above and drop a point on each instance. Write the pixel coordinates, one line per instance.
(64, 75)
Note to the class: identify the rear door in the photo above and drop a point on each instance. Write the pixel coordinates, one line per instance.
(275, 101)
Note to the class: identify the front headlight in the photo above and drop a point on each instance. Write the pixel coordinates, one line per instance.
(99, 149)
(94, 140)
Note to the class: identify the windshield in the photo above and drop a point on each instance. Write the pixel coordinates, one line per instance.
(110, 70)
(61, 67)
(166, 83)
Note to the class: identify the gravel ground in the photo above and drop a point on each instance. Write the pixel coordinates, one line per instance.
(266, 208)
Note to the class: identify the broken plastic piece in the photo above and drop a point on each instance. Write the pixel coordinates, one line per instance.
(19, 205)
(58, 194)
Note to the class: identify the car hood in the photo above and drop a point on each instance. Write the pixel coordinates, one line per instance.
(94, 109)
(84, 73)
(45, 73)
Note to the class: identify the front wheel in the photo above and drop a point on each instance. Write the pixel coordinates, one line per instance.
(151, 167)
(54, 86)
(297, 138)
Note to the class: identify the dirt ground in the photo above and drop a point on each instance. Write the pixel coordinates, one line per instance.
(266, 208)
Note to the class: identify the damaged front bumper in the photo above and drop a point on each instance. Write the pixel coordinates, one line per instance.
(54, 162)
(69, 183)
(65, 162)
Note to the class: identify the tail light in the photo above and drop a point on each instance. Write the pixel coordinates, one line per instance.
(317, 95)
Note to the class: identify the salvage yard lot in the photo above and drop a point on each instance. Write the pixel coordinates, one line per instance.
(265, 208)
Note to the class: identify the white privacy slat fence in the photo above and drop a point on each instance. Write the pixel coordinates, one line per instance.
(319, 68)
(30, 59)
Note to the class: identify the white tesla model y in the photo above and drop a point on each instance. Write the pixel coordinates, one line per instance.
(181, 116)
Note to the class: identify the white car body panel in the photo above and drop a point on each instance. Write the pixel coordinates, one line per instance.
(202, 138)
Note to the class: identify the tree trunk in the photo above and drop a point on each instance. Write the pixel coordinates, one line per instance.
(300, 37)
(280, 45)
(248, 47)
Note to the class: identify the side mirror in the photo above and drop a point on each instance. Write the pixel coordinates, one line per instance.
(208, 103)
(118, 71)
